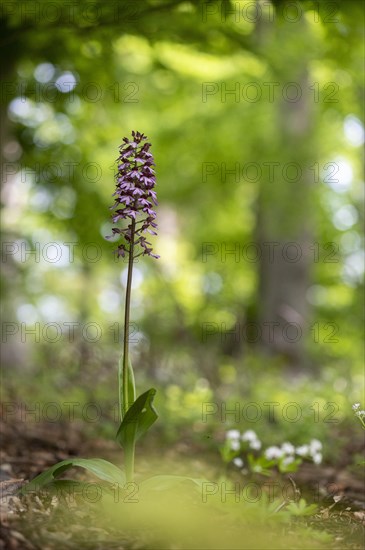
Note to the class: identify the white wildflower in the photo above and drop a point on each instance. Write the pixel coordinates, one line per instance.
(235, 445)
(273, 452)
(288, 448)
(238, 462)
(315, 446)
(233, 434)
(317, 458)
(356, 406)
(360, 413)
(288, 460)
(249, 435)
(255, 444)
(303, 450)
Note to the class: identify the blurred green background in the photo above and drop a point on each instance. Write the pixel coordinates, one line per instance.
(254, 113)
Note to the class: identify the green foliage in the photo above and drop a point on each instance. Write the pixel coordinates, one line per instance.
(168, 67)
(301, 508)
(138, 419)
(97, 466)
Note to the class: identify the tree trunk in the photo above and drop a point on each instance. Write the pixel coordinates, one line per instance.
(285, 211)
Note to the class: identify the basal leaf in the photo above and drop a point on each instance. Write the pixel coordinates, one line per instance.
(99, 467)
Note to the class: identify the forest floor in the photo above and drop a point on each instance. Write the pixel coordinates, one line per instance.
(25, 524)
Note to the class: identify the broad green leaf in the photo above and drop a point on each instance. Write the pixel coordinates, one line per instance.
(131, 387)
(99, 467)
(138, 419)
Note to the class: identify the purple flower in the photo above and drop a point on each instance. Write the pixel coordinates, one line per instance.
(134, 195)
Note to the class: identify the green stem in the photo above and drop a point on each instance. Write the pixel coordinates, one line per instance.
(126, 321)
(129, 450)
(129, 462)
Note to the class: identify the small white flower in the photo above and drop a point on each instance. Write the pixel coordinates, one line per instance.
(288, 448)
(315, 446)
(356, 406)
(273, 452)
(238, 462)
(288, 460)
(303, 450)
(255, 444)
(249, 435)
(360, 413)
(233, 434)
(317, 458)
(235, 445)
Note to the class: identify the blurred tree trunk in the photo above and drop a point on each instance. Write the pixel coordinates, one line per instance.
(285, 205)
(9, 56)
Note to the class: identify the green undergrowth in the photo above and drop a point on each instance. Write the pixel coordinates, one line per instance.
(178, 516)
